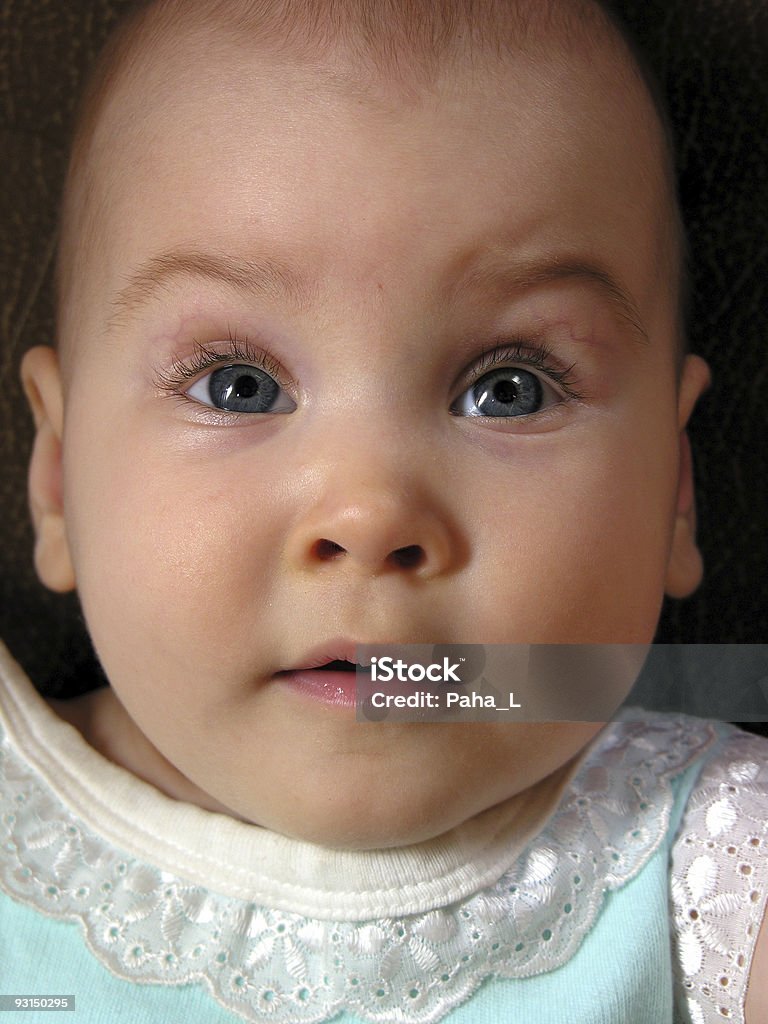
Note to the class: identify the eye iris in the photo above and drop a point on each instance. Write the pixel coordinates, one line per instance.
(242, 389)
(508, 393)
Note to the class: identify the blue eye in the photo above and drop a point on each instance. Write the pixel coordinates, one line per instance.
(506, 392)
(241, 388)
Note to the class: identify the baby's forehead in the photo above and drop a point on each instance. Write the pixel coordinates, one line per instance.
(398, 47)
(390, 63)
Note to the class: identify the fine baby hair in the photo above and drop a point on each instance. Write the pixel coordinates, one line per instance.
(370, 330)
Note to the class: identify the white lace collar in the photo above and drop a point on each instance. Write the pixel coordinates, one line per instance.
(151, 923)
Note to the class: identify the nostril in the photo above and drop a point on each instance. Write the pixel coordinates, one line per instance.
(326, 550)
(409, 557)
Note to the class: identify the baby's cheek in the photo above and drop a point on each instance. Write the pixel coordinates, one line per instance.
(577, 552)
(169, 559)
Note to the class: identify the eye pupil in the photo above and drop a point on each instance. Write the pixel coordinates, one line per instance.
(245, 387)
(505, 391)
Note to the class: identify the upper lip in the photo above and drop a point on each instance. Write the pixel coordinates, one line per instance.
(340, 649)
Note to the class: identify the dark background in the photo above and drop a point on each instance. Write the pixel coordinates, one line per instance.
(711, 57)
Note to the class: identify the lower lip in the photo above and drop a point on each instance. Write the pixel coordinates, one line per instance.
(338, 689)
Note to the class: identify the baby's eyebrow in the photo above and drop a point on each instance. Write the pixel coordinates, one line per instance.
(278, 280)
(504, 272)
(268, 276)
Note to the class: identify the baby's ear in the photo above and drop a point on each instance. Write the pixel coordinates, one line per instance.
(685, 568)
(42, 385)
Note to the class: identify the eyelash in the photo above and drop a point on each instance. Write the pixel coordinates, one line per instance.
(240, 349)
(529, 354)
(204, 358)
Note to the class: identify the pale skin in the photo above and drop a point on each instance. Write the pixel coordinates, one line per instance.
(429, 236)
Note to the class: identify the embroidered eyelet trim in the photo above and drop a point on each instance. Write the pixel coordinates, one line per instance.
(147, 925)
(719, 879)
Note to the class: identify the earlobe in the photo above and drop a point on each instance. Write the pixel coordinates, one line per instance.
(685, 567)
(42, 385)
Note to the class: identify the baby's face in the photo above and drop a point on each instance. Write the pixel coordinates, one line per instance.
(373, 257)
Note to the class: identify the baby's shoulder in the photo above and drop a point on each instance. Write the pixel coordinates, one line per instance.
(719, 874)
(723, 830)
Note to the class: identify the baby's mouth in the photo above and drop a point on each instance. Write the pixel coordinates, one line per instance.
(334, 682)
(326, 674)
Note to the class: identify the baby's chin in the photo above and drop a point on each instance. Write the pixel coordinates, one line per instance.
(368, 829)
(405, 784)
(358, 814)
(394, 808)
(350, 820)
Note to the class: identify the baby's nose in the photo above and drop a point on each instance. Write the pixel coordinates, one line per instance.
(376, 532)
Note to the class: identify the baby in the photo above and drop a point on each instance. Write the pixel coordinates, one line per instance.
(369, 332)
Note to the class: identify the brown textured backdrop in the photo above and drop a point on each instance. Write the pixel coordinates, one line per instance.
(712, 59)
